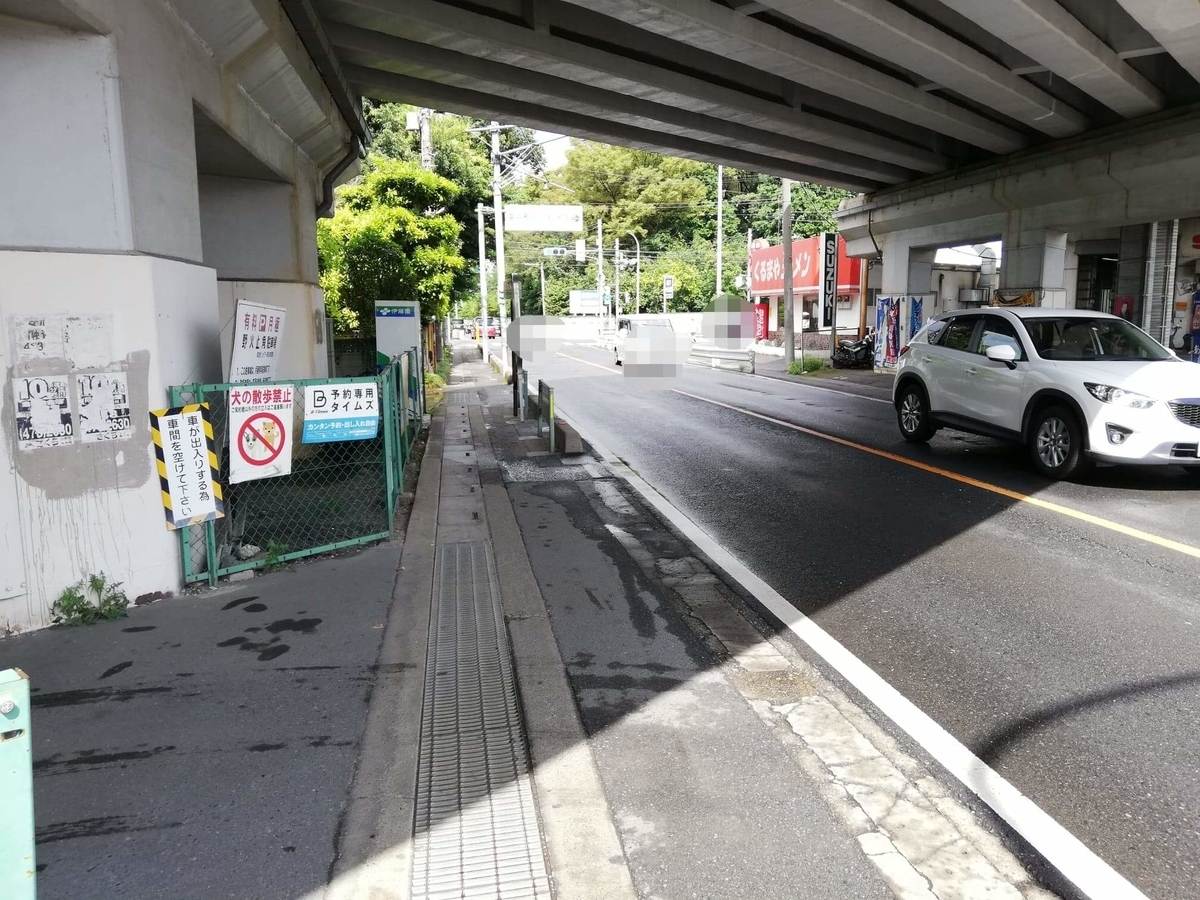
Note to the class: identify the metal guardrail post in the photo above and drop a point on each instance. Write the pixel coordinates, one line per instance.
(524, 388)
(18, 865)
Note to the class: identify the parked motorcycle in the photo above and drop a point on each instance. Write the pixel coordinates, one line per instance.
(854, 354)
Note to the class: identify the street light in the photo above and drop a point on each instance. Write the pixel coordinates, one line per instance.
(638, 303)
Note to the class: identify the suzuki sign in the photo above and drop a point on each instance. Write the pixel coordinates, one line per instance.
(828, 282)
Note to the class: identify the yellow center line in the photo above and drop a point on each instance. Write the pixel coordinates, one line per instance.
(588, 362)
(1098, 521)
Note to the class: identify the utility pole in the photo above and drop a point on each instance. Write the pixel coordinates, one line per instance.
(749, 286)
(720, 228)
(617, 275)
(789, 312)
(638, 287)
(498, 205)
(516, 357)
(600, 262)
(542, 273)
(426, 117)
(483, 305)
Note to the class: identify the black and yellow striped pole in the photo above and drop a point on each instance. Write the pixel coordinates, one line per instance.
(185, 454)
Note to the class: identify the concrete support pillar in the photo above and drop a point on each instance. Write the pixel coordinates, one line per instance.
(906, 269)
(1034, 260)
(118, 190)
(260, 237)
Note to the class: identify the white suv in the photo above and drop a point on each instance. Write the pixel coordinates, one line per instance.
(1071, 385)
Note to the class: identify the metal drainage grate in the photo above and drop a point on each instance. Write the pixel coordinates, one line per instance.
(476, 828)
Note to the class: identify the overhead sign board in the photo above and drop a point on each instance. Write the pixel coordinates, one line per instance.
(260, 432)
(348, 411)
(543, 217)
(585, 303)
(187, 465)
(257, 340)
(397, 329)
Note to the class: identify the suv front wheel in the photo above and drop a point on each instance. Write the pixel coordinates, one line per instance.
(912, 415)
(1056, 443)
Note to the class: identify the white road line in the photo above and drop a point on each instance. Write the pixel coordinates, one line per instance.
(1084, 868)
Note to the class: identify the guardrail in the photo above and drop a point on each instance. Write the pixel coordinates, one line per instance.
(722, 358)
(18, 868)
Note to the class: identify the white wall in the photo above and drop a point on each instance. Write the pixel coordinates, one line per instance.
(91, 508)
(62, 163)
(258, 230)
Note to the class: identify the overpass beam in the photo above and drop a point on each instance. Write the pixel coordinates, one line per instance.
(1173, 23)
(891, 33)
(1045, 32)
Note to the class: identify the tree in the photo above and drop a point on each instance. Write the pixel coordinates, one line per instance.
(813, 205)
(462, 155)
(391, 238)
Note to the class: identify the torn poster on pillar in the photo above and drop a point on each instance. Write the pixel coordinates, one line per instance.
(84, 340)
(103, 406)
(44, 416)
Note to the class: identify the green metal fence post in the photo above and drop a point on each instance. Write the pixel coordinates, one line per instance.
(384, 384)
(18, 865)
(402, 395)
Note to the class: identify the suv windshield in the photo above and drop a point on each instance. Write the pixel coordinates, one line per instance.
(1098, 339)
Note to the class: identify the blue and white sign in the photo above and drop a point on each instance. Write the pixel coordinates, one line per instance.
(397, 330)
(348, 411)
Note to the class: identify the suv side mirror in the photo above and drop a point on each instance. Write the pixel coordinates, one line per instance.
(1004, 353)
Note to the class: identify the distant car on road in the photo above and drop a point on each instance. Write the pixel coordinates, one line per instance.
(1072, 385)
(492, 330)
(632, 329)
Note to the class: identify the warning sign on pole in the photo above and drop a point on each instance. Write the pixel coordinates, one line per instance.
(187, 465)
(260, 432)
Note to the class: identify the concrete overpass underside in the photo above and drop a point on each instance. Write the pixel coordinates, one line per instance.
(866, 94)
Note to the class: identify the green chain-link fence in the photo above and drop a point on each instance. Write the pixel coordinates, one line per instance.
(338, 494)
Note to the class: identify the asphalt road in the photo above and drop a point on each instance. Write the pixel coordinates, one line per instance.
(1062, 651)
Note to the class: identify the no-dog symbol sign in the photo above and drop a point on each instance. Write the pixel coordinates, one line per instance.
(261, 432)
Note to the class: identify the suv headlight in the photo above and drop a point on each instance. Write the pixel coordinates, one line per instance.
(1106, 393)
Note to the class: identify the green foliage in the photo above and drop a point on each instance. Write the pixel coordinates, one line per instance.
(462, 157)
(809, 364)
(668, 203)
(813, 206)
(275, 550)
(391, 238)
(90, 600)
